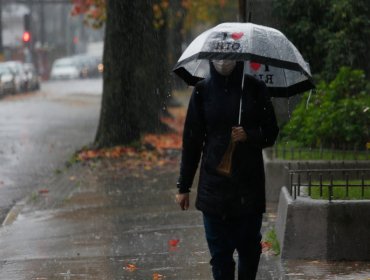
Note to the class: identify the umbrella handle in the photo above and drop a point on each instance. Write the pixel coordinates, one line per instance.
(225, 166)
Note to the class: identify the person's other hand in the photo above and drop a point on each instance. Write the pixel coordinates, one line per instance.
(183, 200)
(238, 134)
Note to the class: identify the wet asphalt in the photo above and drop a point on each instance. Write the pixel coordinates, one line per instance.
(40, 130)
(102, 220)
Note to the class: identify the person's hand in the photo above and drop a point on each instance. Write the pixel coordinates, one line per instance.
(183, 200)
(238, 134)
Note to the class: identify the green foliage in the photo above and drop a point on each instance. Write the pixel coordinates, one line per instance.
(329, 33)
(338, 113)
(271, 238)
(339, 190)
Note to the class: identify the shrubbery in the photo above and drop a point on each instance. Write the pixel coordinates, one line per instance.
(328, 33)
(338, 113)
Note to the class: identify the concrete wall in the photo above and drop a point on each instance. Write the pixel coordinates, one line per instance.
(319, 229)
(276, 172)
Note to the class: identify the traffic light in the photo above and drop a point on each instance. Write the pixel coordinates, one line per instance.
(26, 37)
(27, 22)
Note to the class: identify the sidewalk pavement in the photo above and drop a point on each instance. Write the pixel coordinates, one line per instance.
(111, 219)
(102, 220)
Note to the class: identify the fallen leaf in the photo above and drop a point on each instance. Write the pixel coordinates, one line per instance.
(114, 152)
(266, 245)
(164, 141)
(153, 150)
(157, 276)
(43, 191)
(173, 242)
(130, 267)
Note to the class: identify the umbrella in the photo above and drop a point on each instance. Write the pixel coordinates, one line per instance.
(267, 53)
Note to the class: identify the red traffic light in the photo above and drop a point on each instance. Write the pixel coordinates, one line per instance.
(26, 36)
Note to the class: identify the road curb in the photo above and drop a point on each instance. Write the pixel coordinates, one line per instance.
(14, 212)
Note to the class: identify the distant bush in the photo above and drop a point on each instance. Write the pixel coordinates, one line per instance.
(338, 113)
(329, 33)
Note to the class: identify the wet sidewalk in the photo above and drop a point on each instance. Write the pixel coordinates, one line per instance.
(100, 220)
(103, 220)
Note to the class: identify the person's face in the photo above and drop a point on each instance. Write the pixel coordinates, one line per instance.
(224, 67)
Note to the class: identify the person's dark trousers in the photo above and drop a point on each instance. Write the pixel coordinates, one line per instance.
(224, 236)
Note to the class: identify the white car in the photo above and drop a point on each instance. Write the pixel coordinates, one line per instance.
(65, 68)
(20, 76)
(7, 80)
(33, 77)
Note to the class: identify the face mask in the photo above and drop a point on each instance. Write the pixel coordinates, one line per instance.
(224, 67)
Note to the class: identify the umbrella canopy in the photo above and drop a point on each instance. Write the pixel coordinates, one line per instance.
(267, 53)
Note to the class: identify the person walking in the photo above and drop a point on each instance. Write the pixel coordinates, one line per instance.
(232, 206)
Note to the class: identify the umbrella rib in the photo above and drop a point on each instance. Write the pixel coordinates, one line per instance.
(283, 69)
(196, 68)
(278, 52)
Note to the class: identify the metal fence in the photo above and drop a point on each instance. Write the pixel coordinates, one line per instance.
(345, 152)
(303, 181)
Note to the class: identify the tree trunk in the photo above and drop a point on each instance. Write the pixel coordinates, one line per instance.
(131, 92)
(175, 34)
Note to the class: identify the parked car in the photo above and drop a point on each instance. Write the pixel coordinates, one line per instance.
(88, 64)
(7, 80)
(65, 68)
(32, 77)
(20, 76)
(84, 64)
(98, 65)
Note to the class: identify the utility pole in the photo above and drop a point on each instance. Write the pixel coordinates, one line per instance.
(42, 23)
(1, 32)
(243, 16)
(243, 10)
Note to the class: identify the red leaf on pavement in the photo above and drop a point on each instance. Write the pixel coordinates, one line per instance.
(157, 276)
(266, 245)
(173, 242)
(164, 141)
(43, 191)
(114, 152)
(130, 267)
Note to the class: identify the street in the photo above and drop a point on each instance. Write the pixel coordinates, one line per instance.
(39, 132)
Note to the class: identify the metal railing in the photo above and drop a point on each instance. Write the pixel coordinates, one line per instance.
(303, 181)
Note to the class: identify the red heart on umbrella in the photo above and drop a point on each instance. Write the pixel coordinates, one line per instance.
(237, 35)
(255, 66)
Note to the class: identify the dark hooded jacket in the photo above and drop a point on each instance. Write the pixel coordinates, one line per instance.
(213, 111)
